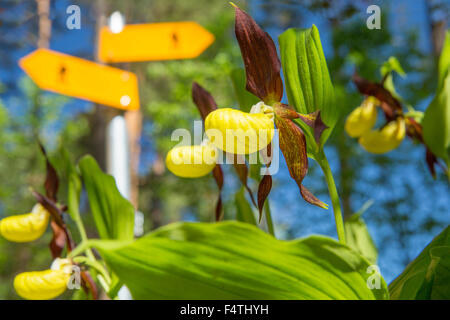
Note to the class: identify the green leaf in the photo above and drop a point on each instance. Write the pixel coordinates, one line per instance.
(389, 85)
(358, 237)
(392, 64)
(436, 122)
(428, 276)
(444, 60)
(234, 260)
(245, 99)
(307, 80)
(113, 214)
(244, 210)
(73, 195)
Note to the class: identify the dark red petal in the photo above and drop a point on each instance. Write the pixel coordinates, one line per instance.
(50, 206)
(389, 104)
(242, 172)
(218, 176)
(285, 111)
(58, 241)
(51, 180)
(263, 192)
(293, 147)
(319, 127)
(431, 161)
(58, 226)
(203, 100)
(309, 197)
(89, 284)
(262, 65)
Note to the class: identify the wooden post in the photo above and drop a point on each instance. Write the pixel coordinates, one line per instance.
(133, 120)
(45, 24)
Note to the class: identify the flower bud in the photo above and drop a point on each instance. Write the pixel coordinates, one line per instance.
(362, 119)
(239, 132)
(25, 227)
(192, 161)
(44, 285)
(386, 139)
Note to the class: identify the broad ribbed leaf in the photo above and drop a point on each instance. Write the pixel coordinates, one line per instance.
(293, 146)
(244, 211)
(233, 260)
(113, 214)
(262, 66)
(307, 80)
(428, 276)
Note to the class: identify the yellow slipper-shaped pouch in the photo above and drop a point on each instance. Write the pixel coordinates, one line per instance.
(25, 227)
(362, 119)
(239, 132)
(44, 285)
(386, 139)
(191, 161)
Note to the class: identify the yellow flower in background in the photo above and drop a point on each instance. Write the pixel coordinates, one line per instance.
(25, 227)
(44, 285)
(240, 132)
(363, 118)
(192, 161)
(386, 139)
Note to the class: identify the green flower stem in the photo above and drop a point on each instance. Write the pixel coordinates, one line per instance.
(90, 260)
(323, 162)
(83, 235)
(103, 277)
(269, 221)
(94, 264)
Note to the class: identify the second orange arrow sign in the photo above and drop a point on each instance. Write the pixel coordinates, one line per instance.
(154, 41)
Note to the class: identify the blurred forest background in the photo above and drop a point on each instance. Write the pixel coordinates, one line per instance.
(409, 208)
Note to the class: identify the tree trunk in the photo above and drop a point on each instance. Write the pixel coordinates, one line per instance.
(95, 141)
(45, 24)
(438, 29)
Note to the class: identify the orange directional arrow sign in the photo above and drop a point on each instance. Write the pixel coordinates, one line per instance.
(155, 41)
(82, 79)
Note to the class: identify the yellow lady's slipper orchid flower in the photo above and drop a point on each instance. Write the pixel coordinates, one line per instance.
(25, 227)
(191, 161)
(44, 285)
(240, 132)
(386, 139)
(362, 119)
